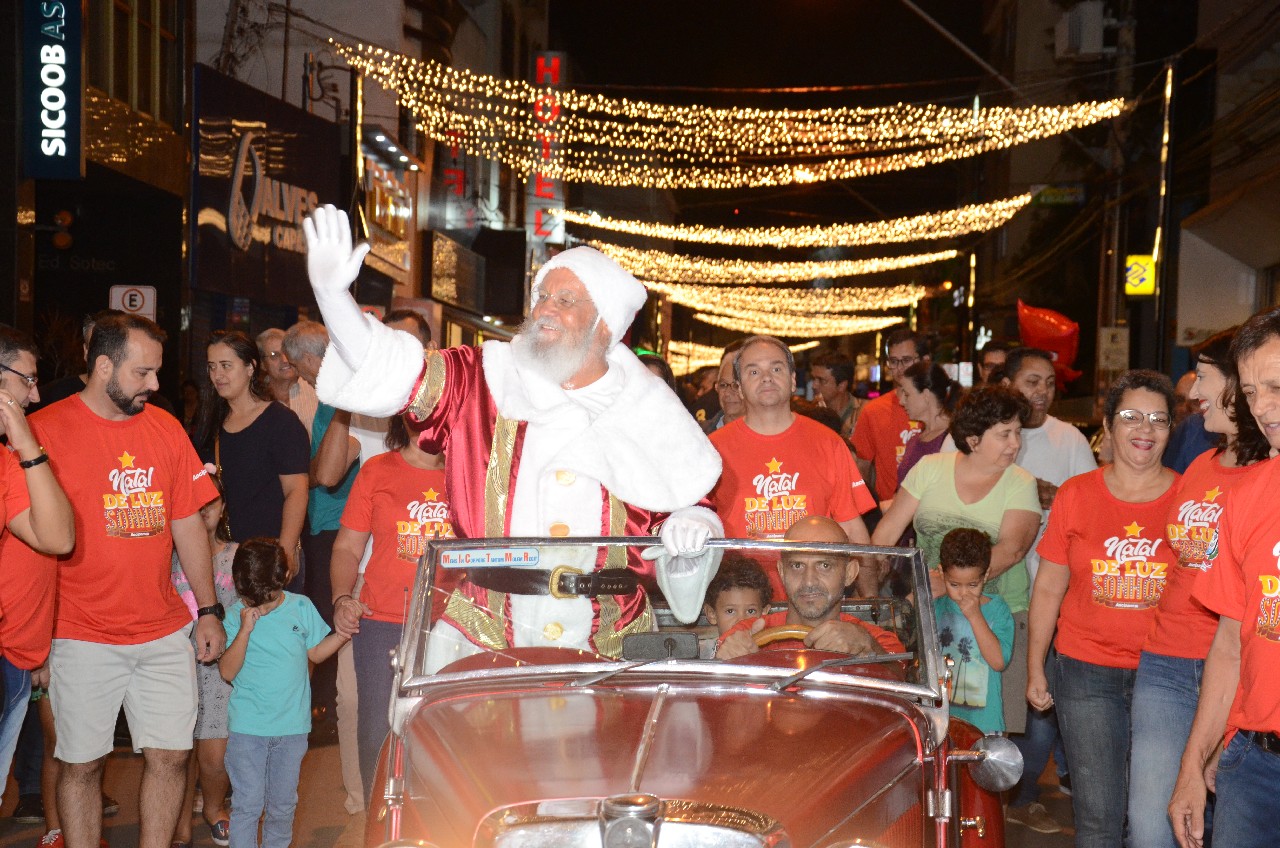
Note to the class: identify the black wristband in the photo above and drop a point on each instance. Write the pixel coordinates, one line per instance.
(215, 610)
(32, 463)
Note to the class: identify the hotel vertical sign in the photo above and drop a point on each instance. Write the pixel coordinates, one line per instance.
(52, 90)
(544, 196)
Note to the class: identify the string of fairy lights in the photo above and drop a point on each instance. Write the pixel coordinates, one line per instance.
(568, 135)
(976, 218)
(687, 357)
(789, 300)
(680, 268)
(791, 326)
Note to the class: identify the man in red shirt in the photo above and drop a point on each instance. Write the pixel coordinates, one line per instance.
(780, 467)
(815, 585)
(883, 429)
(1240, 686)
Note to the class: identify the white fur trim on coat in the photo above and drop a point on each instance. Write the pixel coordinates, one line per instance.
(383, 383)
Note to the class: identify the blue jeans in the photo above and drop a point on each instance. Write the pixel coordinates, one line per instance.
(13, 709)
(264, 777)
(1244, 814)
(1094, 703)
(1036, 743)
(1165, 693)
(371, 650)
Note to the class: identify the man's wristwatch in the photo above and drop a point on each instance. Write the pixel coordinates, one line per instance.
(216, 611)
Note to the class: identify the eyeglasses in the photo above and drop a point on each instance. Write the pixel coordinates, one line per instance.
(1133, 418)
(901, 362)
(31, 381)
(562, 300)
(724, 387)
(272, 354)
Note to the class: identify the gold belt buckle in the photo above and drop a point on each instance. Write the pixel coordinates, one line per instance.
(553, 585)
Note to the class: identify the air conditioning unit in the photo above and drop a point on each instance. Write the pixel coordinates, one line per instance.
(1080, 33)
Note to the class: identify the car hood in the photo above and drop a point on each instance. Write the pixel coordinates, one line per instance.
(807, 759)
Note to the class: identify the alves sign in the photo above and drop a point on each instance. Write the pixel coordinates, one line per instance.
(52, 91)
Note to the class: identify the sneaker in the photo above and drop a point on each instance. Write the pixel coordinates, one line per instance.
(30, 809)
(1064, 784)
(1034, 816)
(52, 839)
(220, 832)
(110, 806)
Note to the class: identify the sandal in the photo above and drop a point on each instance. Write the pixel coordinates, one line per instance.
(220, 832)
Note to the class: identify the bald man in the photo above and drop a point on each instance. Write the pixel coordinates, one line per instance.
(814, 584)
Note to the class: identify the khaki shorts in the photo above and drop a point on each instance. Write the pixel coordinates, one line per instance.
(155, 682)
(1013, 685)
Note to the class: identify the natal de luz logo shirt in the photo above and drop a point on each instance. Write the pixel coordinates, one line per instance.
(1193, 533)
(1130, 577)
(426, 518)
(774, 508)
(132, 508)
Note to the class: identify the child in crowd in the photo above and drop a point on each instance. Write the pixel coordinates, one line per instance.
(211, 717)
(976, 630)
(739, 590)
(271, 636)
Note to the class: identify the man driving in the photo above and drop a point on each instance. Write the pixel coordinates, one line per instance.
(814, 585)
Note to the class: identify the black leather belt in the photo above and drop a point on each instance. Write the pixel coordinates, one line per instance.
(562, 582)
(1268, 742)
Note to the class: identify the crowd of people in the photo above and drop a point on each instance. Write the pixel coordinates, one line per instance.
(1116, 617)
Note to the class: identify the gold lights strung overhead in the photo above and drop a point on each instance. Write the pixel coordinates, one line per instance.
(796, 301)
(977, 218)
(791, 326)
(673, 267)
(687, 357)
(564, 134)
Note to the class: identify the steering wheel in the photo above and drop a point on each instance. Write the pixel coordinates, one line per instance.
(781, 633)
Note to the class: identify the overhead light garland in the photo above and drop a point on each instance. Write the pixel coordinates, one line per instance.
(797, 301)
(678, 268)
(584, 138)
(791, 326)
(977, 218)
(687, 357)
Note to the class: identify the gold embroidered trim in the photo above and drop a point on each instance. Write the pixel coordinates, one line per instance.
(609, 643)
(431, 389)
(497, 478)
(482, 624)
(608, 637)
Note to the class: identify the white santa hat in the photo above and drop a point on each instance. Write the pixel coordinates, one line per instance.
(616, 294)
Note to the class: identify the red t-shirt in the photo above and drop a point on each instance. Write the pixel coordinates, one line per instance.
(771, 482)
(1118, 558)
(881, 436)
(126, 481)
(884, 638)
(1183, 627)
(1244, 584)
(402, 507)
(26, 593)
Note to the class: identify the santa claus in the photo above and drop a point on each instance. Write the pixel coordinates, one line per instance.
(559, 432)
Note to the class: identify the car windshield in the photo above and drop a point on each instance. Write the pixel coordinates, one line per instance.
(488, 606)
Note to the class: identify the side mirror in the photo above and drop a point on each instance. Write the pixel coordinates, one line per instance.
(994, 762)
(670, 645)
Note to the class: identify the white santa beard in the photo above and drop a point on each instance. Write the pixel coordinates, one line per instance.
(557, 361)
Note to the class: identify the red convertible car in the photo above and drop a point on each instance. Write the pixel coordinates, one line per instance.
(522, 747)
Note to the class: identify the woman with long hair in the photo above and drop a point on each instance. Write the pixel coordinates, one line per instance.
(929, 396)
(1103, 562)
(259, 446)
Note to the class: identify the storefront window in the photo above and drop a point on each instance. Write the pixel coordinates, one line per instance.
(133, 55)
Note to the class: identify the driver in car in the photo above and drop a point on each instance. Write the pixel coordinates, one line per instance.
(815, 584)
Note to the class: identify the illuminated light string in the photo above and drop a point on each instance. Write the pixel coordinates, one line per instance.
(977, 218)
(791, 326)
(794, 301)
(687, 357)
(678, 268)
(567, 135)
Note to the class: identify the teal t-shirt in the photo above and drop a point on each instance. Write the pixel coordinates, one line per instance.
(271, 696)
(976, 694)
(324, 504)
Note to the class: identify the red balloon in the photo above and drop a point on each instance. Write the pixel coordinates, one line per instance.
(1053, 332)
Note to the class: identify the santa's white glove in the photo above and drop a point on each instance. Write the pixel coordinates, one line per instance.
(333, 265)
(685, 565)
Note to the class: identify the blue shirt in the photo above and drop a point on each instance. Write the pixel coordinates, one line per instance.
(271, 696)
(976, 694)
(325, 504)
(1189, 440)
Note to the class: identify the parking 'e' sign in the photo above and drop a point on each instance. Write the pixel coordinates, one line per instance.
(136, 300)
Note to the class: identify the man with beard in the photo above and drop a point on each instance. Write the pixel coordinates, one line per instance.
(561, 432)
(121, 633)
(815, 584)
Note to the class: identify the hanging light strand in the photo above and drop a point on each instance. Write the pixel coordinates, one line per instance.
(687, 357)
(567, 135)
(977, 218)
(796, 301)
(677, 268)
(789, 326)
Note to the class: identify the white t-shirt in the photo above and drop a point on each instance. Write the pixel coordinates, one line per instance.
(1054, 452)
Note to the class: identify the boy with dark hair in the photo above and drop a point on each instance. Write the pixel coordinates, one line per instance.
(739, 590)
(975, 629)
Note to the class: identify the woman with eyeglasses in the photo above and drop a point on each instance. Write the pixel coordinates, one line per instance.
(1103, 564)
(259, 446)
